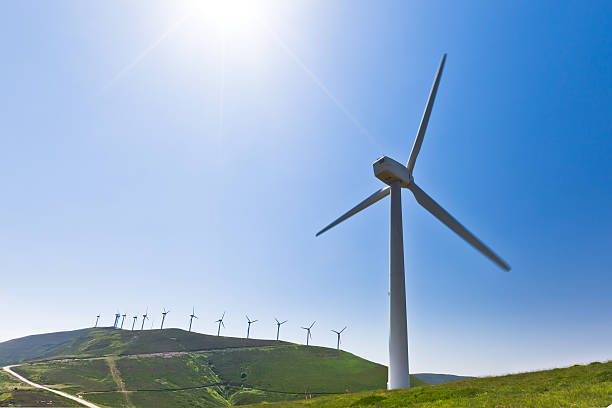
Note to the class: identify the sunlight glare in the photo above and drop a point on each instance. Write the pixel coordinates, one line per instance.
(231, 16)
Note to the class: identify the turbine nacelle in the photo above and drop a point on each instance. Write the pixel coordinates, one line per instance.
(389, 171)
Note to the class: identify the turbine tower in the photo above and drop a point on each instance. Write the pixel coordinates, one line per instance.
(144, 317)
(191, 316)
(122, 320)
(135, 317)
(308, 335)
(164, 313)
(249, 326)
(220, 321)
(117, 316)
(278, 325)
(97, 318)
(396, 176)
(339, 333)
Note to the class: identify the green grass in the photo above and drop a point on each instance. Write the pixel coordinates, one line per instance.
(577, 386)
(159, 373)
(14, 393)
(291, 368)
(218, 378)
(109, 341)
(36, 346)
(231, 371)
(74, 377)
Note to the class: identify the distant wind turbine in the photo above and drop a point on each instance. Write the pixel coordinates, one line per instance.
(220, 321)
(97, 318)
(135, 317)
(117, 316)
(191, 317)
(144, 318)
(278, 325)
(164, 313)
(308, 335)
(398, 176)
(122, 320)
(249, 325)
(339, 333)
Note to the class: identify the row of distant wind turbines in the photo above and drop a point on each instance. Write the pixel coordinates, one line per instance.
(220, 322)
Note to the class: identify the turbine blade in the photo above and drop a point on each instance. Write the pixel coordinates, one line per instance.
(377, 196)
(285, 321)
(440, 213)
(418, 141)
(343, 329)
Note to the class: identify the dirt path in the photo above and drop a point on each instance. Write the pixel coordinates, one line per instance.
(33, 384)
(119, 381)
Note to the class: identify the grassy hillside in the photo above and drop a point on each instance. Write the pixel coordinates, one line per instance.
(212, 378)
(431, 378)
(36, 346)
(577, 386)
(109, 341)
(14, 393)
(175, 368)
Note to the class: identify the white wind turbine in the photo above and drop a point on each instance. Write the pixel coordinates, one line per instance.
(339, 333)
(396, 176)
(249, 321)
(308, 335)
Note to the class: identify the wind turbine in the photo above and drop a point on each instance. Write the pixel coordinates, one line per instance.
(191, 316)
(278, 325)
(135, 317)
(220, 321)
(97, 318)
(144, 317)
(308, 335)
(396, 176)
(117, 316)
(122, 320)
(339, 333)
(249, 326)
(164, 313)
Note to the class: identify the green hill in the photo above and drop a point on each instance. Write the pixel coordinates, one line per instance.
(36, 346)
(108, 341)
(14, 393)
(174, 368)
(577, 386)
(431, 378)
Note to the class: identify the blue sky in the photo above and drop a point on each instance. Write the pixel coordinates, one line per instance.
(175, 155)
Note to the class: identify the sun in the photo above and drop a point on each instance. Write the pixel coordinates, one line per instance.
(231, 16)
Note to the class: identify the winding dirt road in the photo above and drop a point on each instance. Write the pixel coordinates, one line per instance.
(42, 387)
